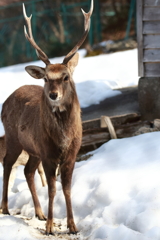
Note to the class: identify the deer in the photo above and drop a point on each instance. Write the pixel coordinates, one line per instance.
(21, 160)
(46, 123)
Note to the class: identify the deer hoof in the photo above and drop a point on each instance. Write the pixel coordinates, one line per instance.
(41, 217)
(49, 227)
(50, 233)
(5, 211)
(75, 232)
(72, 227)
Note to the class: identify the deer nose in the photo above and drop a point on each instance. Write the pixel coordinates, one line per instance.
(53, 95)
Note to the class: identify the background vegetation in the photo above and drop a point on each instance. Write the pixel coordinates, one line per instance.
(57, 25)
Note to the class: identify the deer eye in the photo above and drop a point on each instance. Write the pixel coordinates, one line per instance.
(45, 79)
(66, 78)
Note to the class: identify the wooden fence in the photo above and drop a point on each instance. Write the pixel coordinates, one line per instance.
(148, 36)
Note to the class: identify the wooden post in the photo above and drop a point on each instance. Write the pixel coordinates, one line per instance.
(106, 122)
(140, 37)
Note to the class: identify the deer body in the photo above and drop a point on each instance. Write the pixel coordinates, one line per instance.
(41, 131)
(45, 122)
(47, 130)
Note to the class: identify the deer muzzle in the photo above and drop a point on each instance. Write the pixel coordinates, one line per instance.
(55, 96)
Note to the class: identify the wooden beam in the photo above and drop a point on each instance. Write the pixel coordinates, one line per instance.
(151, 41)
(106, 122)
(151, 27)
(151, 14)
(125, 126)
(140, 37)
(151, 55)
(151, 3)
(116, 120)
(152, 69)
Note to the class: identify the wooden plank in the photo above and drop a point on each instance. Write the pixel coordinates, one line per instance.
(125, 126)
(97, 137)
(151, 41)
(152, 69)
(125, 119)
(140, 37)
(151, 3)
(156, 123)
(91, 124)
(151, 27)
(151, 14)
(151, 55)
(133, 129)
(92, 139)
(106, 122)
(116, 120)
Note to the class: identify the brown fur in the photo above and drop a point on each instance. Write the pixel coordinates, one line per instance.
(21, 160)
(46, 129)
(2, 149)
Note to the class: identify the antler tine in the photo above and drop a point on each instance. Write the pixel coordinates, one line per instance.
(86, 28)
(30, 38)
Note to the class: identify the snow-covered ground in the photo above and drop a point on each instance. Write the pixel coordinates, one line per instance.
(116, 192)
(115, 195)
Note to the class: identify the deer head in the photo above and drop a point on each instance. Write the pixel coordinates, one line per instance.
(57, 77)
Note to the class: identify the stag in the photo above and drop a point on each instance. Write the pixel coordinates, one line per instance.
(46, 123)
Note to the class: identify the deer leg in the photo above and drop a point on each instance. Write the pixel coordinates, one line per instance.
(29, 171)
(42, 174)
(12, 178)
(50, 171)
(8, 162)
(66, 176)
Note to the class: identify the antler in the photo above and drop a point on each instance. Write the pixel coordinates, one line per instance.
(30, 38)
(86, 28)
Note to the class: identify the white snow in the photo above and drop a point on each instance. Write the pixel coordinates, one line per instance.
(116, 192)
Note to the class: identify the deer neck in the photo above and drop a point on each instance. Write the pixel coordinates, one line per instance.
(59, 117)
(57, 125)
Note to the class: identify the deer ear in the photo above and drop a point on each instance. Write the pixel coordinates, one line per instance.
(35, 72)
(73, 62)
